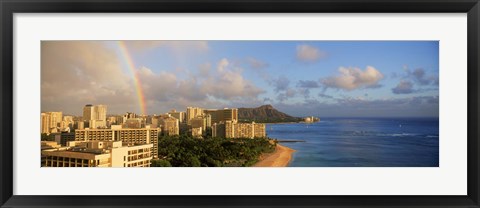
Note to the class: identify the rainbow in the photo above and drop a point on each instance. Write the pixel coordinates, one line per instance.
(131, 66)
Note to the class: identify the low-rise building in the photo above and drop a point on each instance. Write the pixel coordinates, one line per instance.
(98, 154)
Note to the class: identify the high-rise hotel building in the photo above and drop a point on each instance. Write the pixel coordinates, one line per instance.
(128, 136)
(170, 126)
(193, 112)
(178, 115)
(227, 114)
(95, 115)
(232, 129)
(50, 122)
(44, 123)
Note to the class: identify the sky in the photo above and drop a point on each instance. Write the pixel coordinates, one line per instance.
(300, 78)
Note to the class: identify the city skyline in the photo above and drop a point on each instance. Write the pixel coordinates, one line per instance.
(98, 140)
(301, 78)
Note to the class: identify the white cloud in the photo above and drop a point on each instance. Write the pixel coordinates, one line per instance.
(228, 83)
(307, 53)
(222, 64)
(75, 73)
(352, 78)
(156, 86)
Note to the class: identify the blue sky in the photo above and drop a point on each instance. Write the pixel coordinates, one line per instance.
(323, 78)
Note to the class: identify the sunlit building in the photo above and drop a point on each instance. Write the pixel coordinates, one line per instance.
(244, 130)
(148, 119)
(50, 122)
(67, 122)
(311, 119)
(45, 123)
(169, 125)
(193, 112)
(98, 154)
(231, 129)
(56, 119)
(95, 115)
(128, 136)
(114, 120)
(259, 130)
(134, 123)
(79, 125)
(178, 115)
(155, 120)
(129, 115)
(199, 122)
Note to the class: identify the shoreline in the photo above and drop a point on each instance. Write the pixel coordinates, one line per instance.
(279, 158)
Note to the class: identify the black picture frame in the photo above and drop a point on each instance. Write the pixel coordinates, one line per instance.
(10, 7)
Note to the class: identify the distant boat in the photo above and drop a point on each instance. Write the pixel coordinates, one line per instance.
(400, 125)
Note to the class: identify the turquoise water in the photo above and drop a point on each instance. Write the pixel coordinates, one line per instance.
(362, 142)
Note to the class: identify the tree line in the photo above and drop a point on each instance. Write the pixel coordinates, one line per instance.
(187, 151)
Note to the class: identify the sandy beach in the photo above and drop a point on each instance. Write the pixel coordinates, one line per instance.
(280, 158)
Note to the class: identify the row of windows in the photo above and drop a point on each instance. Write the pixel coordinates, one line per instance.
(56, 164)
(139, 151)
(133, 139)
(140, 164)
(133, 132)
(73, 162)
(99, 132)
(68, 159)
(138, 157)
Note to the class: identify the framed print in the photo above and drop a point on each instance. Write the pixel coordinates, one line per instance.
(246, 104)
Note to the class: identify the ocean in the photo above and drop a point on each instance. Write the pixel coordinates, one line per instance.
(361, 142)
